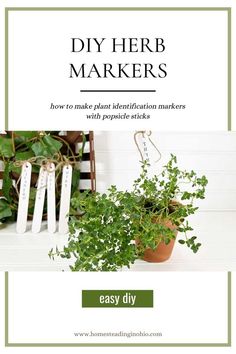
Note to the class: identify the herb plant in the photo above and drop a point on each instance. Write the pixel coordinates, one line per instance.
(101, 237)
(111, 230)
(162, 198)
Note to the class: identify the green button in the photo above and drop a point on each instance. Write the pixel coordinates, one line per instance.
(117, 298)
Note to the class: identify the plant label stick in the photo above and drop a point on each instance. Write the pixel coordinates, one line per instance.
(151, 154)
(39, 200)
(65, 199)
(23, 198)
(51, 198)
(145, 149)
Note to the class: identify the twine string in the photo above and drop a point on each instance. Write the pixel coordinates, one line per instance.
(46, 164)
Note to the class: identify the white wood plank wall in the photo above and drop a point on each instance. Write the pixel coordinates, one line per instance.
(211, 154)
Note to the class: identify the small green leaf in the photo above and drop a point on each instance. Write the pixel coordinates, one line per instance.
(7, 182)
(24, 136)
(167, 241)
(39, 149)
(32, 196)
(6, 147)
(5, 210)
(53, 144)
(47, 146)
(75, 180)
(24, 156)
(182, 242)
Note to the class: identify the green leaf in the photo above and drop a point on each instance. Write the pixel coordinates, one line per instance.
(167, 241)
(193, 238)
(46, 147)
(23, 156)
(24, 136)
(5, 210)
(6, 147)
(81, 150)
(182, 242)
(7, 182)
(52, 143)
(39, 149)
(75, 180)
(32, 196)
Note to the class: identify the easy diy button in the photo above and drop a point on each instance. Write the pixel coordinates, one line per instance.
(117, 298)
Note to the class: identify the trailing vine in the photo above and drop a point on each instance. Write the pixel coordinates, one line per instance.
(38, 148)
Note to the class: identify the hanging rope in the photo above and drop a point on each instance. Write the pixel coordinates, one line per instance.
(45, 163)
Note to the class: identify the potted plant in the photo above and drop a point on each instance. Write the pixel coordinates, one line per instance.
(165, 202)
(111, 230)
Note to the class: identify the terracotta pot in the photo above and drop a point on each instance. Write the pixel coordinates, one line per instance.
(163, 251)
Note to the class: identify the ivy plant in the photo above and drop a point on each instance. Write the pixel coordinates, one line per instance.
(36, 147)
(113, 229)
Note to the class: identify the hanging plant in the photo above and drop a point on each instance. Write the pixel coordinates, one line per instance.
(37, 148)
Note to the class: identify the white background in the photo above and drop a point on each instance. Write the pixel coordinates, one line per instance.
(210, 154)
(42, 304)
(196, 58)
(30, 123)
(199, 300)
(162, 3)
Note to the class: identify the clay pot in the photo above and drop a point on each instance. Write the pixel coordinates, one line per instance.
(163, 251)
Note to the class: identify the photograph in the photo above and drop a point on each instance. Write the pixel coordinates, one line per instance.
(117, 201)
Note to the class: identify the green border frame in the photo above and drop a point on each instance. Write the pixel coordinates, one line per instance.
(227, 9)
(227, 344)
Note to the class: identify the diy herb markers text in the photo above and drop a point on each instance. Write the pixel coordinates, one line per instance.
(117, 70)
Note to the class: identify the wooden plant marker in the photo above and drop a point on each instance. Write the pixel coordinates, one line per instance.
(22, 213)
(39, 200)
(65, 199)
(51, 198)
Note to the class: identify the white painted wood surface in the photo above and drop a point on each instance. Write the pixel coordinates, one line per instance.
(212, 154)
(215, 230)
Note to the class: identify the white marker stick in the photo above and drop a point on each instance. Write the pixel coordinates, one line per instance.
(22, 212)
(145, 148)
(65, 199)
(51, 198)
(39, 200)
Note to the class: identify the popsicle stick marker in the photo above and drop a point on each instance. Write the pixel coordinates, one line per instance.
(39, 200)
(22, 213)
(51, 198)
(145, 148)
(65, 199)
(148, 150)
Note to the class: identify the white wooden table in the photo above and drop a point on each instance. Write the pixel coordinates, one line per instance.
(215, 230)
